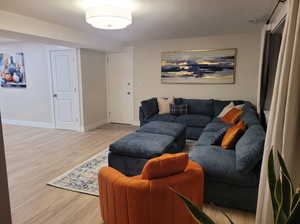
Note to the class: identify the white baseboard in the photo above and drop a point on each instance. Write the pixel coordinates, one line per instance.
(95, 125)
(135, 123)
(28, 123)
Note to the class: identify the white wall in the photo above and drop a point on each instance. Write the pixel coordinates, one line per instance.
(31, 104)
(93, 88)
(146, 67)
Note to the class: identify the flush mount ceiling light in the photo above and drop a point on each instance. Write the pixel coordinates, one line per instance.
(109, 17)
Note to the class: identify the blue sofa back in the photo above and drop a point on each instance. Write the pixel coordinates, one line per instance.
(208, 107)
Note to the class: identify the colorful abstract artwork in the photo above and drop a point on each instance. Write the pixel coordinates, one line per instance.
(12, 70)
(199, 66)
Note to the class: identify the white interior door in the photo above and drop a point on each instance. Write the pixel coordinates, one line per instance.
(64, 89)
(120, 78)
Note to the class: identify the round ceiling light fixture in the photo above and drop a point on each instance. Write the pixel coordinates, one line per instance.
(109, 17)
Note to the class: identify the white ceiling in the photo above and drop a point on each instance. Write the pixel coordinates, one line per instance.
(155, 19)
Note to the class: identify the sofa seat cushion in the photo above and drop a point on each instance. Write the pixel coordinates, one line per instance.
(249, 149)
(220, 165)
(163, 128)
(193, 132)
(162, 117)
(205, 138)
(142, 145)
(194, 120)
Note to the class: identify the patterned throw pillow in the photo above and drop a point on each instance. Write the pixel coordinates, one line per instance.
(232, 135)
(178, 109)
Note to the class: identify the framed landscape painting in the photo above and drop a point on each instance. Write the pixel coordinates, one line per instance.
(12, 70)
(199, 66)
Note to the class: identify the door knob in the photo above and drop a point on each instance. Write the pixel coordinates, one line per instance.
(128, 93)
(54, 95)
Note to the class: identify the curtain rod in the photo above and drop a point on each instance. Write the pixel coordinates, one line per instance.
(270, 17)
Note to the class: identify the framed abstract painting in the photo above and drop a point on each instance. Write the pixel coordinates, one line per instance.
(199, 66)
(12, 70)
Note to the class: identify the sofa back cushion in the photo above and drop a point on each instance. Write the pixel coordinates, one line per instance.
(249, 149)
(165, 165)
(250, 118)
(150, 107)
(196, 106)
(178, 109)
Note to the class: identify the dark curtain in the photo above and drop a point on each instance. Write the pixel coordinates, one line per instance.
(270, 61)
(265, 77)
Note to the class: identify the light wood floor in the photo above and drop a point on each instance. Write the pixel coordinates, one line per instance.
(37, 155)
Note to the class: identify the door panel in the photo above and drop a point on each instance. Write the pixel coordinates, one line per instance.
(64, 110)
(120, 87)
(63, 80)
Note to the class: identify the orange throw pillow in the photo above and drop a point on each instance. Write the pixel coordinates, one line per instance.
(232, 135)
(165, 165)
(232, 116)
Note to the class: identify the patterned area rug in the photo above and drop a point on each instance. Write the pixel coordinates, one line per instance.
(84, 177)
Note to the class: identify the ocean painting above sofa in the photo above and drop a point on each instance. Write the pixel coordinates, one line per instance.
(199, 66)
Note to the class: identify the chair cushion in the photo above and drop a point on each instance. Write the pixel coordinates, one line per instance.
(150, 107)
(194, 120)
(232, 135)
(162, 117)
(165, 165)
(249, 149)
(220, 165)
(195, 106)
(163, 128)
(142, 145)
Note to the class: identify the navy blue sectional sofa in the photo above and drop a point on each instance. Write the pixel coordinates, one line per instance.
(200, 113)
(231, 176)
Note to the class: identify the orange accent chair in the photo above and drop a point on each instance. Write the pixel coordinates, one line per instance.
(147, 199)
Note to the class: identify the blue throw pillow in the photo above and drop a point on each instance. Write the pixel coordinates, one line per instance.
(150, 107)
(218, 137)
(179, 109)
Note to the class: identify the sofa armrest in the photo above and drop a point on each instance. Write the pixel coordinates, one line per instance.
(141, 115)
